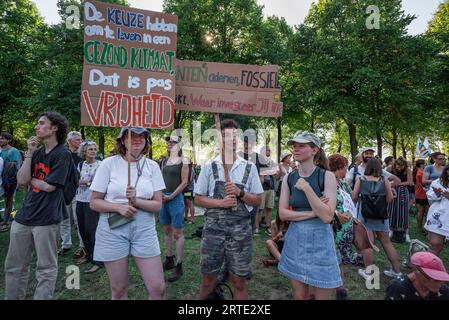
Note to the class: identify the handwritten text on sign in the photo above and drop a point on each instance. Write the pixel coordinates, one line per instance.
(129, 67)
(228, 88)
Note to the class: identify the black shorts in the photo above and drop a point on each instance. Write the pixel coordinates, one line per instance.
(10, 189)
(188, 195)
(422, 202)
(280, 244)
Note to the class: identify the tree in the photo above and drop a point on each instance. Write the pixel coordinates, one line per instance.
(366, 77)
(21, 28)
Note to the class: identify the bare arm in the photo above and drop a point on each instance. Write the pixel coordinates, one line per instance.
(24, 173)
(154, 205)
(211, 203)
(355, 192)
(284, 212)
(389, 192)
(42, 185)
(97, 203)
(425, 178)
(324, 211)
(409, 181)
(252, 199)
(395, 181)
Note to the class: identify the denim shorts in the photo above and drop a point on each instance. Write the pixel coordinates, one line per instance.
(309, 254)
(138, 238)
(376, 225)
(172, 212)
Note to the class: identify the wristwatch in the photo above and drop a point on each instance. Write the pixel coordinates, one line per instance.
(242, 194)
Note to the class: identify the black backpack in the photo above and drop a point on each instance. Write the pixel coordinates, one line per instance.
(71, 183)
(374, 201)
(9, 173)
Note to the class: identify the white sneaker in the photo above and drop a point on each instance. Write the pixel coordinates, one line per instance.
(407, 238)
(390, 273)
(363, 274)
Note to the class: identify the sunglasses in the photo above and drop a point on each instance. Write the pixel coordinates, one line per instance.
(442, 159)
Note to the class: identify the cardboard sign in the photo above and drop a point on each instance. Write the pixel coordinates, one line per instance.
(129, 67)
(228, 88)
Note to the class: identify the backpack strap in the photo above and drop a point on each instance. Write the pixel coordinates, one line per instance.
(290, 178)
(246, 174)
(355, 172)
(215, 170)
(321, 178)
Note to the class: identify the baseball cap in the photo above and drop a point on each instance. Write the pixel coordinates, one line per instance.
(124, 130)
(285, 155)
(305, 137)
(174, 139)
(368, 149)
(431, 265)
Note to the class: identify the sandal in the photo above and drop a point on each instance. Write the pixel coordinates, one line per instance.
(81, 261)
(93, 269)
(4, 227)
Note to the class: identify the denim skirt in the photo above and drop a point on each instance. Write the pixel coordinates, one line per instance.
(309, 254)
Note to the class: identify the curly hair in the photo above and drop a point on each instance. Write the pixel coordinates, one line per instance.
(337, 162)
(83, 148)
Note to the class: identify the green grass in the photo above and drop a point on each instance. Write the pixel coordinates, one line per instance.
(267, 282)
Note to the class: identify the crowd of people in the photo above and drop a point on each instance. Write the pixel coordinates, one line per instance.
(321, 202)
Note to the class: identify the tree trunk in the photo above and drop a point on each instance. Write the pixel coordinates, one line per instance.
(394, 143)
(83, 132)
(379, 144)
(279, 124)
(353, 140)
(404, 149)
(101, 141)
(2, 116)
(178, 119)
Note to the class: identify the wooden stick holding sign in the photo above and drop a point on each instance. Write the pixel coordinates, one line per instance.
(129, 156)
(222, 151)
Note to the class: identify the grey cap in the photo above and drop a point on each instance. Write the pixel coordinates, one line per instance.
(135, 130)
(305, 137)
(285, 155)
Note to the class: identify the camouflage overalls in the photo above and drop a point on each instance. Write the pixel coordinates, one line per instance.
(227, 233)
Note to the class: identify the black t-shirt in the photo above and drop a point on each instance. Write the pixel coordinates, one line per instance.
(403, 289)
(76, 158)
(42, 208)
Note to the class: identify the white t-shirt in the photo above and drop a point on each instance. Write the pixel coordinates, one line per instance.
(88, 170)
(112, 178)
(206, 182)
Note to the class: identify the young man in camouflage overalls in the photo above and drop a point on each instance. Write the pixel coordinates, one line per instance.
(227, 232)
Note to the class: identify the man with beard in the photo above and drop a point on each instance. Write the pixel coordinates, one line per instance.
(367, 154)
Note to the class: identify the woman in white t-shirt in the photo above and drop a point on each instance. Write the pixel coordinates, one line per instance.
(87, 218)
(127, 224)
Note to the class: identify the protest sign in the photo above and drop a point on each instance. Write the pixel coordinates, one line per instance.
(228, 88)
(128, 74)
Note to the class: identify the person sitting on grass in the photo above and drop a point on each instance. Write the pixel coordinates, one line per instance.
(276, 243)
(425, 282)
